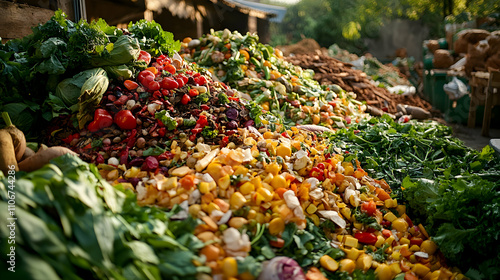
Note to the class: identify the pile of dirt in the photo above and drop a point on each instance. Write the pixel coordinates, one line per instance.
(329, 71)
(305, 46)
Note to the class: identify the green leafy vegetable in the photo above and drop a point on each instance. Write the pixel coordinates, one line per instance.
(166, 119)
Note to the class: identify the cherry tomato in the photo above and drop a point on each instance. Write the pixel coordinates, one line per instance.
(170, 68)
(153, 85)
(369, 207)
(201, 80)
(144, 56)
(145, 76)
(366, 238)
(125, 119)
(180, 82)
(193, 92)
(130, 85)
(185, 99)
(169, 83)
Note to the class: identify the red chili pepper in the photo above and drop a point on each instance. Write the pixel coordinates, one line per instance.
(124, 156)
(321, 165)
(284, 134)
(130, 140)
(201, 122)
(225, 141)
(165, 155)
(125, 119)
(201, 80)
(317, 173)
(204, 107)
(102, 119)
(366, 238)
(70, 138)
(234, 99)
(185, 99)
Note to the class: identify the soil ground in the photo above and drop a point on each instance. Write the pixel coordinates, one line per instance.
(472, 136)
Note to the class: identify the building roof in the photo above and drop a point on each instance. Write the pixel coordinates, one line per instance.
(275, 13)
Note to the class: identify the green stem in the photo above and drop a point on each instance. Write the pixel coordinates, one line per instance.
(6, 118)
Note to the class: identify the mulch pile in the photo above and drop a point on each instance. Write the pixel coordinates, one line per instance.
(329, 70)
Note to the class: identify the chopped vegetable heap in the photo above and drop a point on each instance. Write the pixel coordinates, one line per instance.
(277, 86)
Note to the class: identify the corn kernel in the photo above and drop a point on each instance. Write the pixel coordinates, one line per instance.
(256, 181)
(224, 182)
(247, 188)
(240, 170)
(204, 187)
(251, 214)
(237, 222)
(237, 200)
(404, 240)
(211, 207)
(389, 240)
(347, 265)
(383, 272)
(396, 268)
(358, 225)
(268, 134)
(364, 262)
(276, 226)
(352, 253)
(400, 225)
(279, 182)
(266, 194)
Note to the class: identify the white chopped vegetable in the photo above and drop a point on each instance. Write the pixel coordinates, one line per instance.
(183, 213)
(333, 216)
(153, 107)
(113, 161)
(247, 155)
(141, 191)
(293, 203)
(225, 218)
(194, 197)
(200, 147)
(236, 243)
(317, 194)
(422, 255)
(313, 181)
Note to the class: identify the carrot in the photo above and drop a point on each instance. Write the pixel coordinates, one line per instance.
(7, 153)
(42, 157)
(17, 135)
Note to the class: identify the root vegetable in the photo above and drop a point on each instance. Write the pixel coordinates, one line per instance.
(42, 157)
(18, 139)
(27, 153)
(7, 152)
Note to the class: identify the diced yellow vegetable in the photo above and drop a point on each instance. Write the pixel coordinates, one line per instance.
(224, 182)
(352, 253)
(389, 240)
(311, 209)
(237, 200)
(380, 241)
(266, 194)
(229, 267)
(237, 222)
(351, 241)
(247, 188)
(284, 151)
(240, 170)
(279, 182)
(420, 269)
(276, 226)
(396, 255)
(400, 225)
(428, 246)
(211, 207)
(364, 262)
(396, 268)
(315, 219)
(328, 263)
(414, 248)
(204, 187)
(256, 181)
(404, 240)
(389, 216)
(347, 265)
(383, 272)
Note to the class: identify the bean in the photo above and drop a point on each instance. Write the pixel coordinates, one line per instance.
(117, 139)
(140, 143)
(106, 142)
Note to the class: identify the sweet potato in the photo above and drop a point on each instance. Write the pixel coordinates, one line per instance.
(17, 135)
(7, 152)
(42, 157)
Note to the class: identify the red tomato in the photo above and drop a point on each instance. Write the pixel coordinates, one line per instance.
(416, 241)
(153, 85)
(366, 238)
(170, 68)
(180, 82)
(130, 85)
(125, 119)
(145, 76)
(279, 243)
(169, 83)
(369, 207)
(193, 92)
(185, 99)
(144, 56)
(201, 80)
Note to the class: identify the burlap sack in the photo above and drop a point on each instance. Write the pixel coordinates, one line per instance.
(442, 59)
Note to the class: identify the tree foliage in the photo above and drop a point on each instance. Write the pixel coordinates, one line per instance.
(347, 23)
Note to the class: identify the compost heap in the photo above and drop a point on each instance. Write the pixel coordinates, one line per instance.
(329, 70)
(245, 187)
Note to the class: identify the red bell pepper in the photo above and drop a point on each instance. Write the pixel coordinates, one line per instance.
(102, 119)
(317, 173)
